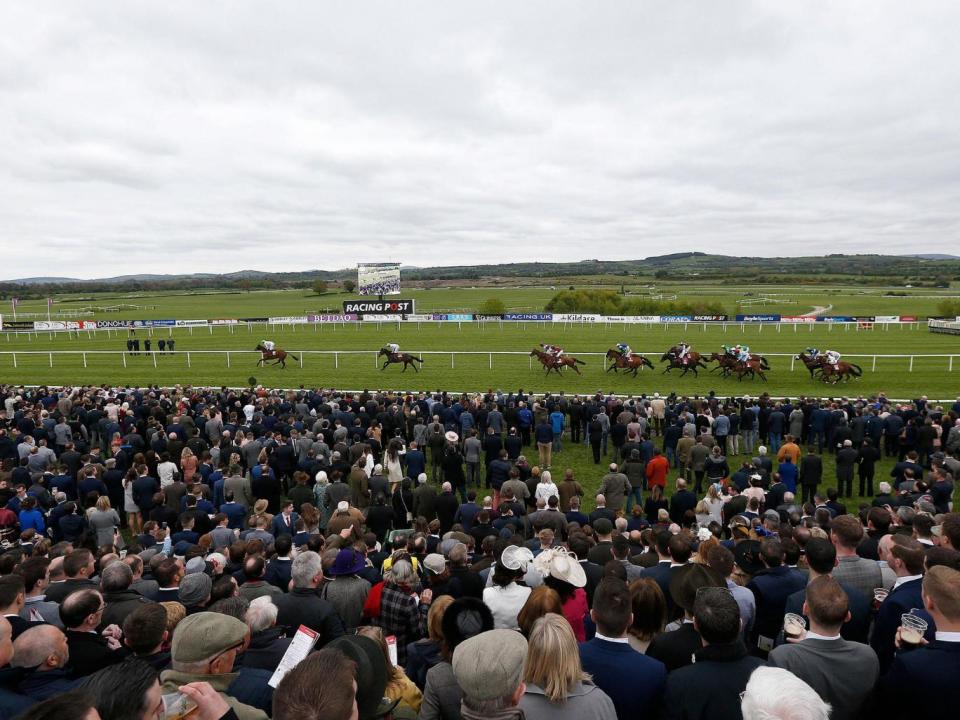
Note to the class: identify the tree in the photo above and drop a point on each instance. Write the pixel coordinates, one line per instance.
(492, 306)
(320, 287)
(349, 286)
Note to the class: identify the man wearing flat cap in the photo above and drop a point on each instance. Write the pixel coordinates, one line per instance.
(489, 671)
(205, 646)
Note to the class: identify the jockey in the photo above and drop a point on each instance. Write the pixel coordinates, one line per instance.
(268, 345)
(684, 351)
(813, 352)
(743, 353)
(727, 350)
(833, 357)
(554, 351)
(392, 348)
(625, 350)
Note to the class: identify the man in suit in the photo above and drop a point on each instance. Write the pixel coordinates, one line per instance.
(602, 511)
(905, 557)
(143, 490)
(925, 679)
(286, 522)
(843, 673)
(666, 544)
(681, 501)
(90, 650)
(675, 649)
(79, 566)
(711, 687)
(633, 680)
(811, 473)
(771, 587)
(424, 499)
(846, 533)
(846, 461)
(238, 486)
(822, 558)
(447, 507)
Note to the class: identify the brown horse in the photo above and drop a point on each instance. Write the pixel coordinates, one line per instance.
(753, 368)
(813, 364)
(632, 364)
(557, 363)
(843, 371)
(725, 363)
(278, 356)
(405, 358)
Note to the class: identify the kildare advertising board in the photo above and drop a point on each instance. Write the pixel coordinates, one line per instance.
(577, 317)
(378, 279)
(378, 307)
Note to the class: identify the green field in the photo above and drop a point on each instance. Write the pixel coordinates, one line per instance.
(530, 297)
(930, 376)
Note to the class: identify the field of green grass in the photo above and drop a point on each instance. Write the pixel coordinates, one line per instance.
(532, 296)
(195, 363)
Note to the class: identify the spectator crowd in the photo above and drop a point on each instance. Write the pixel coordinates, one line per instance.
(164, 549)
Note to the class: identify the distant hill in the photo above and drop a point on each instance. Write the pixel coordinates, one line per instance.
(918, 270)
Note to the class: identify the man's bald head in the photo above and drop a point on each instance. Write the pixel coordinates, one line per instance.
(43, 647)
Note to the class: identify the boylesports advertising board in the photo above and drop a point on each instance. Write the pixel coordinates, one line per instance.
(378, 279)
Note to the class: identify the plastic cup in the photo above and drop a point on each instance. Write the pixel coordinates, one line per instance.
(793, 625)
(879, 595)
(912, 629)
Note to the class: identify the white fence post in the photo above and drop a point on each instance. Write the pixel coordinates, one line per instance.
(51, 359)
(84, 359)
(911, 363)
(451, 360)
(950, 367)
(228, 358)
(491, 362)
(874, 364)
(14, 359)
(188, 360)
(792, 358)
(336, 360)
(301, 360)
(123, 355)
(154, 353)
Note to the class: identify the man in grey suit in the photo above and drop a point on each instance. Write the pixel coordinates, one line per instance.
(238, 485)
(842, 672)
(424, 499)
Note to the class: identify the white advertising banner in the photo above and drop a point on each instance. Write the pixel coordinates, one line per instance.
(577, 317)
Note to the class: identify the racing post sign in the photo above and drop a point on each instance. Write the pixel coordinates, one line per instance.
(378, 307)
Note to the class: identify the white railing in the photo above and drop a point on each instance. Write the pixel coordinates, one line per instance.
(298, 355)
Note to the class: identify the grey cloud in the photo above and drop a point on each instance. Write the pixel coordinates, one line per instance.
(231, 135)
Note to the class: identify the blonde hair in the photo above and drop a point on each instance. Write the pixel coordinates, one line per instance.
(435, 617)
(175, 613)
(712, 492)
(103, 503)
(942, 584)
(702, 508)
(553, 658)
(396, 674)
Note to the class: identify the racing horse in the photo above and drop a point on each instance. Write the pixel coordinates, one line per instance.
(844, 371)
(813, 364)
(557, 363)
(632, 364)
(753, 368)
(278, 356)
(728, 364)
(405, 358)
(693, 361)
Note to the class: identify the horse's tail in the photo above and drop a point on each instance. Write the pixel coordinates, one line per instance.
(291, 355)
(419, 360)
(856, 370)
(578, 362)
(763, 363)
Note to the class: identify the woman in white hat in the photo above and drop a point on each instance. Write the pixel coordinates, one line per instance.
(563, 572)
(505, 597)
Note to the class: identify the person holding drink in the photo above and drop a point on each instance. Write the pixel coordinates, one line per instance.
(924, 679)
(905, 557)
(844, 673)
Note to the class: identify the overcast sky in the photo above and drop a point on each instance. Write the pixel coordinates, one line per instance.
(218, 136)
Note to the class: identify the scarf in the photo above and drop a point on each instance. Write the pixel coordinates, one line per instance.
(510, 713)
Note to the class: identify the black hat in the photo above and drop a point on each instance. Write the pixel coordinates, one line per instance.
(747, 556)
(372, 674)
(466, 617)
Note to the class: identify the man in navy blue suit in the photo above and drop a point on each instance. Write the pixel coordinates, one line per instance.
(923, 681)
(286, 522)
(633, 681)
(905, 557)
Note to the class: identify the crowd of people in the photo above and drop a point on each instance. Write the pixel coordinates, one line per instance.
(163, 550)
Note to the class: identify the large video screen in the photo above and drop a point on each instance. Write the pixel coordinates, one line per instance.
(378, 279)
